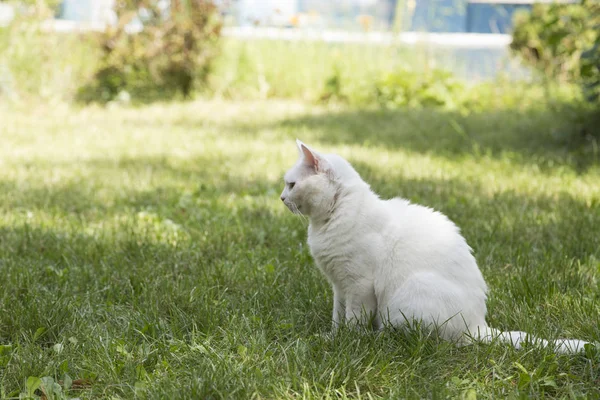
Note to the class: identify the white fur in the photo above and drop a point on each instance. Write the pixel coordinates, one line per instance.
(390, 261)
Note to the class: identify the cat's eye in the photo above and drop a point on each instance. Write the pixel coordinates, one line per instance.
(291, 184)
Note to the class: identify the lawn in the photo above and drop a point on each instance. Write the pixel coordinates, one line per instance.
(145, 251)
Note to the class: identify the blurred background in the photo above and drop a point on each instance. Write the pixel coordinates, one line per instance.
(362, 52)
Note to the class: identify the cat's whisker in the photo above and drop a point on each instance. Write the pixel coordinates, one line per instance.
(297, 213)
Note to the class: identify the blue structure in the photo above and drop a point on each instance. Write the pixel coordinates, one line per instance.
(474, 16)
(478, 16)
(439, 16)
(75, 10)
(492, 18)
(452, 16)
(98, 11)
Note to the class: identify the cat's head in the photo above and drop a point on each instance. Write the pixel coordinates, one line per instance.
(314, 183)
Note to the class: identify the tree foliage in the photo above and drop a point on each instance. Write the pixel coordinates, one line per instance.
(156, 50)
(562, 41)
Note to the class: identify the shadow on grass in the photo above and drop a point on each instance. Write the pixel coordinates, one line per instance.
(216, 208)
(202, 177)
(563, 136)
(198, 195)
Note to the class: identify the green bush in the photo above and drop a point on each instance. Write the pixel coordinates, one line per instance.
(399, 87)
(562, 41)
(394, 77)
(170, 56)
(304, 69)
(405, 88)
(332, 89)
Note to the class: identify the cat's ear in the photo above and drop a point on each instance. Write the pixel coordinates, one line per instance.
(312, 159)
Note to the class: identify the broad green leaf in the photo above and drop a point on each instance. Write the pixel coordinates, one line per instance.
(33, 384)
(470, 394)
(524, 380)
(38, 333)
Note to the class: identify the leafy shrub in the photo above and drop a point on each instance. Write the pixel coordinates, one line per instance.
(562, 41)
(171, 53)
(405, 88)
(332, 89)
(304, 69)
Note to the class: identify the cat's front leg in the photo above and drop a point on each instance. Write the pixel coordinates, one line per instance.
(339, 307)
(361, 305)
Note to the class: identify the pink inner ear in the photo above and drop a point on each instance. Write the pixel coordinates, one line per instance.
(309, 158)
(313, 159)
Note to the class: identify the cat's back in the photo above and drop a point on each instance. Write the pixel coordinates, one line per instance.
(418, 218)
(393, 221)
(422, 229)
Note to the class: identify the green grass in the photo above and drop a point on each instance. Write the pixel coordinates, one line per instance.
(300, 70)
(147, 250)
(43, 66)
(352, 73)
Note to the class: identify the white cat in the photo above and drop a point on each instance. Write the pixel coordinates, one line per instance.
(390, 261)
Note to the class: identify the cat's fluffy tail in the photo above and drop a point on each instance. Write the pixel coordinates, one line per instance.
(517, 339)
